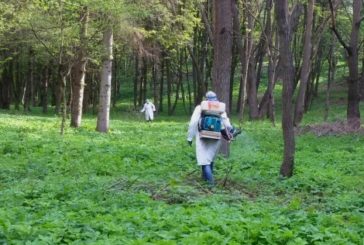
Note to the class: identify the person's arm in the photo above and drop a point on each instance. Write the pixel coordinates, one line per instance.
(142, 110)
(225, 120)
(153, 107)
(193, 125)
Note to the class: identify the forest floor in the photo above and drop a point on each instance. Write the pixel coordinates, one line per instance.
(139, 184)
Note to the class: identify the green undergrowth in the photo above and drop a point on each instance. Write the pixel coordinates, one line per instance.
(139, 184)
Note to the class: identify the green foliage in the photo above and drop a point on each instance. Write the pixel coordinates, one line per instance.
(139, 184)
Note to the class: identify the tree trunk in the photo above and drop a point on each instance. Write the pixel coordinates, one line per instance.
(306, 65)
(115, 82)
(144, 80)
(17, 86)
(286, 62)
(136, 79)
(105, 86)
(140, 80)
(5, 86)
(63, 85)
(223, 25)
(244, 60)
(330, 77)
(169, 85)
(252, 90)
(28, 82)
(161, 84)
(353, 111)
(188, 84)
(235, 61)
(79, 72)
(44, 93)
(267, 103)
(156, 80)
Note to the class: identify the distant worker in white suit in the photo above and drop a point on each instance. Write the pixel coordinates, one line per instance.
(209, 124)
(148, 110)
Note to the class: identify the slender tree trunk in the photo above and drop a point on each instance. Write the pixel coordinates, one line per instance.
(223, 41)
(87, 95)
(169, 86)
(180, 78)
(32, 74)
(232, 74)
(156, 81)
(95, 92)
(330, 78)
(161, 84)
(79, 72)
(63, 81)
(267, 104)
(5, 86)
(306, 65)
(244, 59)
(115, 82)
(286, 62)
(28, 82)
(252, 91)
(17, 81)
(45, 82)
(188, 84)
(105, 86)
(136, 79)
(197, 77)
(58, 94)
(141, 81)
(144, 79)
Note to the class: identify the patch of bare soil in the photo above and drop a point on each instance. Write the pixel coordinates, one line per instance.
(327, 129)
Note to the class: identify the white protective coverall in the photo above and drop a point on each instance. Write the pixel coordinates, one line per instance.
(206, 149)
(149, 110)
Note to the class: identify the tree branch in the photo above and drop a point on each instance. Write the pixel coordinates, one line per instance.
(361, 19)
(40, 40)
(294, 16)
(206, 23)
(333, 28)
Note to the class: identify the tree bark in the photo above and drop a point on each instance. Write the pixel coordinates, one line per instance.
(161, 88)
(169, 85)
(245, 56)
(44, 93)
(79, 72)
(188, 84)
(105, 86)
(5, 86)
(306, 65)
(330, 77)
(252, 90)
(267, 104)
(28, 82)
(353, 110)
(156, 79)
(223, 25)
(136, 79)
(286, 62)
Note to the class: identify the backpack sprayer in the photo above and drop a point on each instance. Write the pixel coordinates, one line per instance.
(210, 125)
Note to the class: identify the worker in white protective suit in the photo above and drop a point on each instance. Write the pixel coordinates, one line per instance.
(148, 110)
(206, 148)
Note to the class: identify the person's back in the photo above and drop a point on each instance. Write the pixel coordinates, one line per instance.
(207, 121)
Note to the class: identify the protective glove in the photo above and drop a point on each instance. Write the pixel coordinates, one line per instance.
(189, 142)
